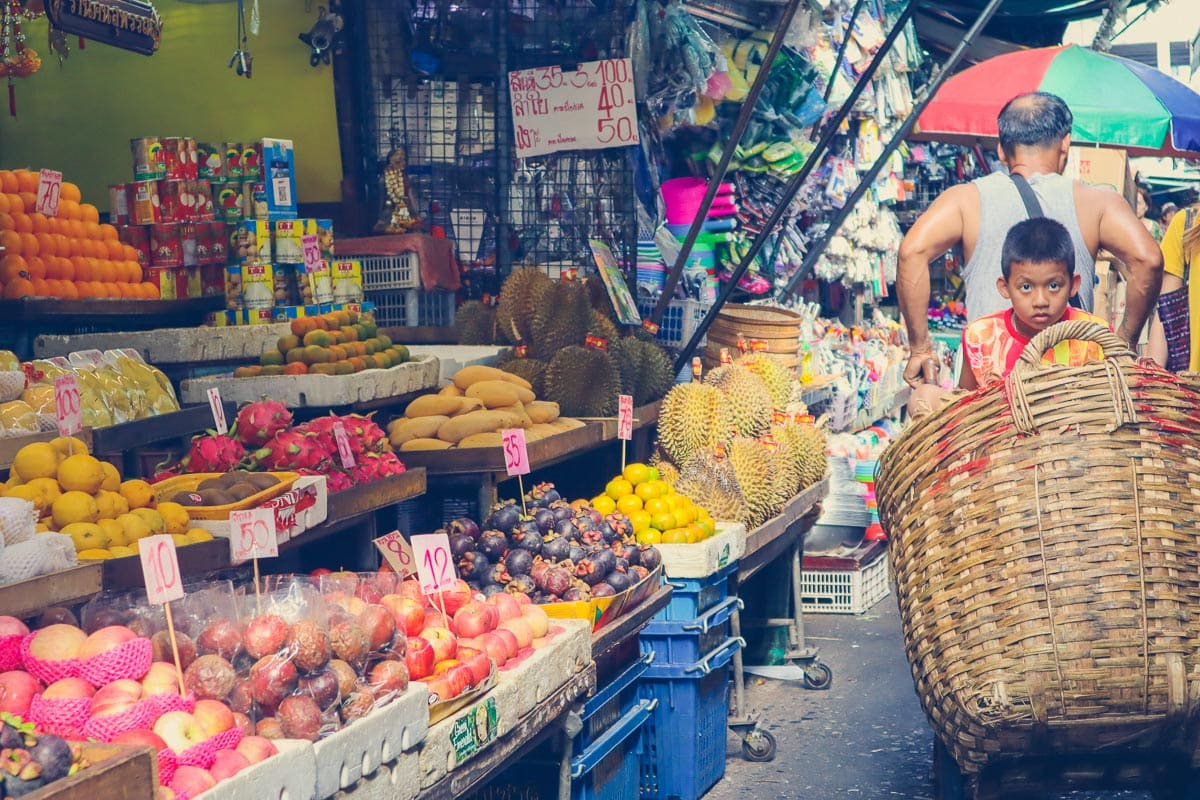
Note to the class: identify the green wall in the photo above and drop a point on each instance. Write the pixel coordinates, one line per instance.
(79, 118)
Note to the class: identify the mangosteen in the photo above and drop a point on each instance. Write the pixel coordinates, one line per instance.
(545, 520)
(496, 574)
(620, 523)
(605, 560)
(576, 593)
(542, 495)
(502, 518)
(460, 543)
(22, 774)
(518, 562)
(584, 522)
(493, 544)
(555, 581)
(520, 584)
(632, 554)
(608, 532)
(465, 526)
(54, 754)
(556, 549)
(491, 589)
(639, 572)
(561, 511)
(592, 538)
(649, 557)
(566, 529)
(589, 571)
(472, 565)
(603, 589)
(538, 569)
(526, 536)
(622, 566)
(575, 553)
(11, 737)
(619, 581)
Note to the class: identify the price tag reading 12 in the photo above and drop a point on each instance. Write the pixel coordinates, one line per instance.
(398, 554)
(435, 568)
(625, 417)
(160, 568)
(252, 534)
(66, 402)
(516, 454)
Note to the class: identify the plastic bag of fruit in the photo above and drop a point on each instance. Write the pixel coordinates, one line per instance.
(364, 632)
(12, 379)
(157, 388)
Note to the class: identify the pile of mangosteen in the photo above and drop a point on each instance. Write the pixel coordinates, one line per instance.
(29, 761)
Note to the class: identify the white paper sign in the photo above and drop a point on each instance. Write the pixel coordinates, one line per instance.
(590, 108)
(624, 417)
(48, 192)
(160, 568)
(435, 565)
(218, 410)
(398, 553)
(67, 405)
(252, 534)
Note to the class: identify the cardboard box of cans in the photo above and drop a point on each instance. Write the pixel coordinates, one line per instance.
(223, 319)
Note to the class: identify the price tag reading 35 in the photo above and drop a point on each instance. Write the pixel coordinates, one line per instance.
(160, 568)
(48, 192)
(66, 401)
(312, 252)
(625, 417)
(435, 567)
(218, 411)
(252, 534)
(516, 454)
(398, 554)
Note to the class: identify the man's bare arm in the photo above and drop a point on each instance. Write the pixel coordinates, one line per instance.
(1124, 235)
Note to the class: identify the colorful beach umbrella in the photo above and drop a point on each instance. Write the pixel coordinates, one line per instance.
(1116, 102)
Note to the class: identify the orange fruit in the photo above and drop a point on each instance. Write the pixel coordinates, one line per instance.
(46, 244)
(89, 213)
(106, 272)
(10, 241)
(4, 204)
(7, 223)
(149, 291)
(68, 209)
(133, 272)
(109, 233)
(16, 205)
(82, 288)
(36, 266)
(40, 289)
(131, 253)
(53, 287)
(124, 290)
(29, 244)
(40, 222)
(116, 251)
(83, 270)
(17, 289)
(91, 230)
(26, 181)
(66, 269)
(13, 267)
(68, 290)
(8, 182)
(70, 191)
(22, 223)
(74, 228)
(53, 270)
(29, 200)
(62, 245)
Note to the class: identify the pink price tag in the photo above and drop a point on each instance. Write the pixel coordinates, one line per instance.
(435, 567)
(398, 553)
(516, 454)
(343, 446)
(218, 410)
(67, 405)
(160, 568)
(252, 534)
(48, 192)
(312, 252)
(625, 417)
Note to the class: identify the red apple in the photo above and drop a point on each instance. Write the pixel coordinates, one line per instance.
(453, 598)
(228, 763)
(67, 688)
(460, 677)
(412, 589)
(368, 591)
(265, 635)
(340, 582)
(475, 618)
(522, 599)
(11, 626)
(496, 648)
(271, 679)
(346, 602)
(257, 748)
(538, 620)
(386, 579)
(443, 641)
(17, 689)
(477, 661)
(104, 640)
(160, 647)
(511, 644)
(409, 614)
(441, 688)
(57, 643)
(442, 667)
(379, 625)
(116, 698)
(521, 629)
(387, 677)
(436, 619)
(142, 737)
(161, 679)
(179, 730)
(192, 781)
(213, 716)
(220, 637)
(506, 604)
(320, 571)
(420, 658)
(322, 687)
(243, 723)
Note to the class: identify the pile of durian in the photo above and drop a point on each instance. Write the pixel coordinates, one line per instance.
(721, 443)
(551, 321)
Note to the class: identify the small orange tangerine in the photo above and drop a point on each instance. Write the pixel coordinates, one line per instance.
(17, 289)
(46, 244)
(67, 290)
(7, 223)
(4, 206)
(40, 222)
(8, 182)
(37, 267)
(13, 267)
(27, 181)
(11, 241)
(29, 200)
(29, 244)
(66, 269)
(40, 289)
(70, 191)
(91, 230)
(68, 209)
(116, 251)
(109, 233)
(149, 291)
(89, 213)
(16, 205)
(22, 223)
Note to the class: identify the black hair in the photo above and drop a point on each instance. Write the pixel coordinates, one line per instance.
(1038, 240)
(1034, 119)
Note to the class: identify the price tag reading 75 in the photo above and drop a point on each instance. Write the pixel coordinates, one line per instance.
(516, 453)
(252, 534)
(398, 554)
(435, 569)
(160, 568)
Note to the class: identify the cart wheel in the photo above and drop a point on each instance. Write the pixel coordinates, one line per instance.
(948, 782)
(758, 745)
(818, 676)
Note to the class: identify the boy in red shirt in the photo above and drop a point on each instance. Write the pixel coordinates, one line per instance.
(1038, 277)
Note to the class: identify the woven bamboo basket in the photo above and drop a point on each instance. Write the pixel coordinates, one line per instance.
(1045, 538)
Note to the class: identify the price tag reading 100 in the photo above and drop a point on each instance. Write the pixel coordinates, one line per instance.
(398, 554)
(67, 404)
(435, 568)
(160, 568)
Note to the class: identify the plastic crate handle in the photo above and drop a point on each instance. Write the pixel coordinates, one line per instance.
(618, 684)
(704, 665)
(611, 739)
(713, 617)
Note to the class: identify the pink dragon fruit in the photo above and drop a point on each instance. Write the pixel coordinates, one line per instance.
(362, 433)
(257, 422)
(213, 452)
(290, 450)
(339, 481)
(375, 466)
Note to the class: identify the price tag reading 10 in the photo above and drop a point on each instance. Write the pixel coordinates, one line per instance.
(435, 568)
(516, 453)
(398, 554)
(160, 568)
(66, 402)
(252, 534)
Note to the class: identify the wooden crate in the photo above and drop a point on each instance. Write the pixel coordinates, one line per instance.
(116, 772)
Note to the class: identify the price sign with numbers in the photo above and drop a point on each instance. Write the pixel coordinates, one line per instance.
(160, 568)
(312, 252)
(66, 402)
(398, 553)
(435, 567)
(516, 454)
(343, 445)
(590, 107)
(48, 192)
(252, 534)
(218, 410)
(625, 416)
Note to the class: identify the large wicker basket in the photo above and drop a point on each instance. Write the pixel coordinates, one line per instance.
(1045, 537)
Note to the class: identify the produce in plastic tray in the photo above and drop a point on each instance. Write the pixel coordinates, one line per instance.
(186, 485)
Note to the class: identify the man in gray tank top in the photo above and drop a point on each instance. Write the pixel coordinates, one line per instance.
(1035, 140)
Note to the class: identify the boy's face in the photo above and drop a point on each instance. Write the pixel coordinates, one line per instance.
(1039, 291)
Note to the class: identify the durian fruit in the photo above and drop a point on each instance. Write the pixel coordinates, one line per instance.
(584, 382)
(788, 461)
(807, 445)
(561, 320)
(520, 296)
(598, 297)
(531, 369)
(667, 471)
(751, 463)
(747, 404)
(603, 327)
(710, 479)
(691, 419)
(646, 371)
(778, 378)
(476, 323)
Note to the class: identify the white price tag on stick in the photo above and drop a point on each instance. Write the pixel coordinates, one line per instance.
(48, 192)
(67, 405)
(218, 411)
(160, 568)
(516, 453)
(398, 553)
(343, 446)
(625, 417)
(252, 534)
(435, 567)
(312, 252)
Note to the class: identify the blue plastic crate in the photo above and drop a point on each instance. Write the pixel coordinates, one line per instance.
(610, 703)
(685, 737)
(693, 596)
(610, 768)
(685, 641)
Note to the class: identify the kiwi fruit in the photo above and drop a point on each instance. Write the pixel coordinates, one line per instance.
(217, 497)
(240, 491)
(211, 483)
(262, 480)
(188, 499)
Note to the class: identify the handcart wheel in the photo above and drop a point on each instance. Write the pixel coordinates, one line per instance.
(948, 782)
(758, 745)
(818, 676)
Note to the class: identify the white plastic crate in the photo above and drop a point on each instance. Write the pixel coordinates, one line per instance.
(390, 272)
(679, 321)
(844, 591)
(400, 307)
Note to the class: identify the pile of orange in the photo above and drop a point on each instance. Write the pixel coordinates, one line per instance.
(70, 256)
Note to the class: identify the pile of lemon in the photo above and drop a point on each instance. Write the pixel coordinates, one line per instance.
(83, 497)
(658, 513)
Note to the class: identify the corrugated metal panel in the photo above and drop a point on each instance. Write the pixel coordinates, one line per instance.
(1146, 52)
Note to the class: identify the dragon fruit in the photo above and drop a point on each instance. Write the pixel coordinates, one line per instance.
(362, 434)
(213, 452)
(339, 481)
(374, 466)
(290, 450)
(257, 422)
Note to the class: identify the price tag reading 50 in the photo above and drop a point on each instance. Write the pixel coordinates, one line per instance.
(516, 454)
(435, 568)
(66, 401)
(160, 568)
(312, 252)
(398, 554)
(252, 534)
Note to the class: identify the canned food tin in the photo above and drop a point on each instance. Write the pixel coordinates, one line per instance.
(137, 237)
(166, 279)
(210, 161)
(166, 246)
(227, 200)
(347, 281)
(233, 160)
(203, 244)
(252, 160)
(254, 199)
(258, 316)
(221, 319)
(118, 204)
(284, 281)
(219, 242)
(212, 280)
(148, 160)
(254, 241)
(315, 284)
(144, 203)
(289, 235)
(171, 205)
(189, 284)
(205, 211)
(258, 286)
(191, 159)
(173, 157)
(233, 288)
(187, 237)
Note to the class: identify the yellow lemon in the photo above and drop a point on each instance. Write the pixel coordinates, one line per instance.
(636, 473)
(656, 505)
(37, 460)
(134, 526)
(653, 474)
(48, 488)
(604, 504)
(198, 535)
(139, 494)
(175, 516)
(650, 536)
(115, 532)
(152, 518)
(74, 507)
(86, 535)
(81, 473)
(107, 503)
(664, 521)
(675, 502)
(647, 491)
(640, 520)
(685, 516)
(618, 488)
(675, 536)
(112, 478)
(42, 527)
(94, 554)
(181, 540)
(629, 504)
(120, 551)
(707, 526)
(70, 446)
(30, 493)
